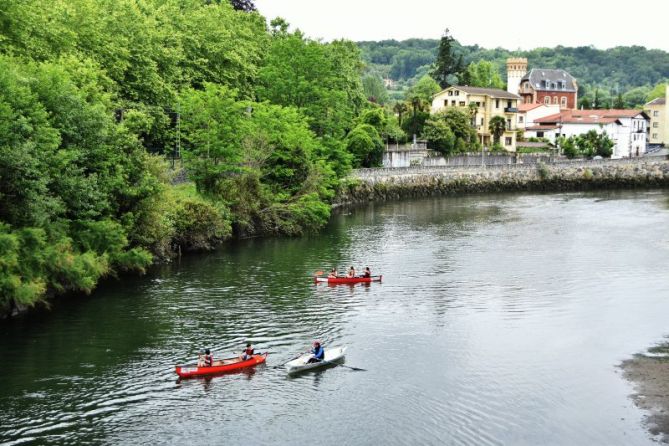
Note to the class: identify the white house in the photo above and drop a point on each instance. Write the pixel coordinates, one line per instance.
(529, 113)
(627, 128)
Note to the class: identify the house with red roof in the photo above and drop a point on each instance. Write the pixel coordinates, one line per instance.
(529, 113)
(627, 128)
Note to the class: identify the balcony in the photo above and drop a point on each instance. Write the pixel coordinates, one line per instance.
(510, 109)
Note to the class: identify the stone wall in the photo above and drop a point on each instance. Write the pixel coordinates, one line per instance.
(366, 185)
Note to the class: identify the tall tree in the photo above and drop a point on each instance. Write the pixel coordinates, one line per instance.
(484, 74)
(374, 89)
(448, 65)
(497, 126)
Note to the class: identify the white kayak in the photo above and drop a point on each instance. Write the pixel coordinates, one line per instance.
(301, 364)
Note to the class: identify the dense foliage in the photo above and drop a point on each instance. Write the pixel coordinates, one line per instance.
(587, 145)
(93, 92)
(450, 132)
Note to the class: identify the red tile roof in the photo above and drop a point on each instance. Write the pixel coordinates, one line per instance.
(527, 107)
(588, 116)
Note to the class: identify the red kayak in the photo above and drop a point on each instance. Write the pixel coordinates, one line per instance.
(222, 366)
(347, 279)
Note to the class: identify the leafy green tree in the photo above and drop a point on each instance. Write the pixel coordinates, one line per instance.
(365, 143)
(425, 89)
(448, 65)
(484, 74)
(400, 108)
(657, 92)
(450, 132)
(374, 89)
(619, 102)
(328, 90)
(636, 97)
(497, 126)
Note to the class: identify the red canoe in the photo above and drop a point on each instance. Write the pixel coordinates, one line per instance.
(347, 279)
(225, 365)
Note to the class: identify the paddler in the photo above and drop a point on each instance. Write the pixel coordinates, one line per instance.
(317, 353)
(247, 353)
(206, 360)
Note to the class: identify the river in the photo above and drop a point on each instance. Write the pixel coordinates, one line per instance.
(501, 319)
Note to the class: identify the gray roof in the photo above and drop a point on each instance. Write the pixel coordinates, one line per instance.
(658, 101)
(493, 92)
(550, 80)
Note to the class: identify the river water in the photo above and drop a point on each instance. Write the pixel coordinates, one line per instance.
(501, 319)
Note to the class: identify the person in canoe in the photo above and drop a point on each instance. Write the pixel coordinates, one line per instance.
(206, 359)
(367, 273)
(247, 353)
(333, 273)
(317, 353)
(351, 272)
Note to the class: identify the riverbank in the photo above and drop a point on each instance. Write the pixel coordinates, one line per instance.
(650, 375)
(369, 185)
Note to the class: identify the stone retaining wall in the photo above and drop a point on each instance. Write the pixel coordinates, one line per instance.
(367, 185)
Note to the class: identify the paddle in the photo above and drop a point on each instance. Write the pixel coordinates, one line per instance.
(357, 369)
(291, 359)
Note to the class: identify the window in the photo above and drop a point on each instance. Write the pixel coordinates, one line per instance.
(496, 103)
(450, 93)
(508, 124)
(462, 103)
(540, 134)
(508, 104)
(520, 119)
(453, 103)
(555, 100)
(654, 136)
(457, 92)
(482, 121)
(655, 125)
(478, 104)
(547, 100)
(507, 141)
(563, 102)
(445, 102)
(656, 113)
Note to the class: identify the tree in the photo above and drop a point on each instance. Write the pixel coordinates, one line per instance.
(448, 65)
(619, 102)
(636, 97)
(400, 109)
(374, 89)
(366, 146)
(424, 89)
(657, 92)
(482, 74)
(497, 126)
(451, 132)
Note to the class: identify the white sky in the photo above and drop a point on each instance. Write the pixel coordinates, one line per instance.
(490, 23)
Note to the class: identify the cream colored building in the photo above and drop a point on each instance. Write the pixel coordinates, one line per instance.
(658, 130)
(489, 102)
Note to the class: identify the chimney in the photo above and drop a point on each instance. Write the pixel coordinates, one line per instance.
(516, 67)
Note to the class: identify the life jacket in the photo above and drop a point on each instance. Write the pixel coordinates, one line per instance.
(319, 352)
(208, 360)
(248, 352)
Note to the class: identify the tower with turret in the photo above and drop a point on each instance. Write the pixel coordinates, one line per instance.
(516, 68)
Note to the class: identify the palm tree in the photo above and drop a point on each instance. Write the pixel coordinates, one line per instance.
(497, 127)
(400, 108)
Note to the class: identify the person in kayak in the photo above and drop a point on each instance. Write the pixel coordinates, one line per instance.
(206, 360)
(317, 353)
(333, 273)
(247, 353)
(367, 273)
(351, 272)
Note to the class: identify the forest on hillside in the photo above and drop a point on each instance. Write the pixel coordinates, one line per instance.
(632, 72)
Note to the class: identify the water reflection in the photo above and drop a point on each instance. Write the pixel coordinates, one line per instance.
(499, 321)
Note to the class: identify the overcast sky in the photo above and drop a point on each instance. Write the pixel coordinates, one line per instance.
(489, 23)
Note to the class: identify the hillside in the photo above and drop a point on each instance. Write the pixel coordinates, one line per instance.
(612, 71)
